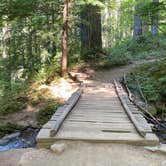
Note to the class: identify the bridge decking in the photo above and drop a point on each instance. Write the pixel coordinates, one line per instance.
(99, 116)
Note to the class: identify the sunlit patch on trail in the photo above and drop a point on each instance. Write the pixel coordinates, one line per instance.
(63, 89)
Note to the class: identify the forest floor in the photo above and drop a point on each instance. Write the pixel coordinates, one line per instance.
(61, 90)
(28, 116)
(82, 153)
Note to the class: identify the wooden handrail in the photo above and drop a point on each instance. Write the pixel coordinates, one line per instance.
(66, 110)
(139, 128)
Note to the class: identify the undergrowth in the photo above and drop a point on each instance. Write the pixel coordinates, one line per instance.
(46, 113)
(152, 80)
(26, 92)
(8, 128)
(143, 47)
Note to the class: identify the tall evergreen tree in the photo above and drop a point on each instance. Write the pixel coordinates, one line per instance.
(91, 40)
(154, 26)
(137, 29)
(64, 38)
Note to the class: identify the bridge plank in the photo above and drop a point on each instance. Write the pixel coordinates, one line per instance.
(129, 138)
(138, 127)
(71, 103)
(97, 116)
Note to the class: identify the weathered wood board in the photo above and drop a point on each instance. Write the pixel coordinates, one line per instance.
(99, 116)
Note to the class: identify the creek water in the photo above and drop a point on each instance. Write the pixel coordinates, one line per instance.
(26, 139)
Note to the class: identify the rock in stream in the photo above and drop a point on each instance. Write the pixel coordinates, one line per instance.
(24, 139)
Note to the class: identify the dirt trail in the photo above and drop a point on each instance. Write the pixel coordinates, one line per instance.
(88, 154)
(12, 157)
(94, 154)
(107, 76)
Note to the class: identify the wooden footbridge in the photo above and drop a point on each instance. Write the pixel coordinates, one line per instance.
(100, 113)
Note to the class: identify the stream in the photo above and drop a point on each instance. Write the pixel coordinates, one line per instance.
(23, 139)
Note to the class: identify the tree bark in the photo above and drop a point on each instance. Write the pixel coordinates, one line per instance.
(137, 23)
(91, 40)
(154, 27)
(30, 46)
(5, 40)
(106, 30)
(144, 27)
(64, 39)
(6, 55)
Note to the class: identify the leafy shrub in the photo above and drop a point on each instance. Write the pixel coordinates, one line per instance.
(8, 128)
(137, 48)
(152, 79)
(47, 73)
(46, 113)
(13, 102)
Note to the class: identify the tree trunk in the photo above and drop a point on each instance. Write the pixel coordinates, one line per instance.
(53, 44)
(6, 55)
(5, 40)
(154, 27)
(91, 40)
(137, 23)
(64, 39)
(30, 47)
(106, 30)
(144, 27)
